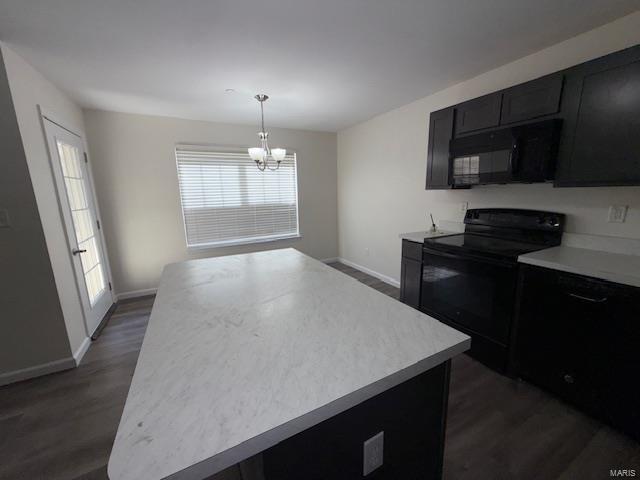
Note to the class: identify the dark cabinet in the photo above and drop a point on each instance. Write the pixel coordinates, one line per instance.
(619, 377)
(483, 112)
(440, 132)
(577, 337)
(411, 273)
(598, 103)
(602, 136)
(533, 99)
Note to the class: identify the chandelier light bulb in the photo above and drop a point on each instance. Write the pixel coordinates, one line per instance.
(257, 154)
(278, 154)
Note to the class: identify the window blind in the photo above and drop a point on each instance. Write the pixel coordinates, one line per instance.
(226, 200)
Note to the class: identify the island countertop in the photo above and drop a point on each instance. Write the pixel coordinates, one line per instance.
(244, 351)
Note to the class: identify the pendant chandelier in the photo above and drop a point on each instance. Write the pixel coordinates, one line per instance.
(263, 155)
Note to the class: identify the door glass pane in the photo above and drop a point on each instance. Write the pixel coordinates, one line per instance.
(90, 257)
(83, 223)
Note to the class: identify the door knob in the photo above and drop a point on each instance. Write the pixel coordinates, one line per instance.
(76, 251)
(568, 378)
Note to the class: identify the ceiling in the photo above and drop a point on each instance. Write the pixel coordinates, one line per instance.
(326, 64)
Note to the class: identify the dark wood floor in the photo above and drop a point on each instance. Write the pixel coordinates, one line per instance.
(62, 426)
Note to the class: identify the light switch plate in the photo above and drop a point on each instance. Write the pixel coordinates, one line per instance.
(373, 453)
(617, 213)
(4, 219)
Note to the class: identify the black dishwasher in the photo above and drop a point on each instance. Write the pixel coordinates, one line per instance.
(578, 337)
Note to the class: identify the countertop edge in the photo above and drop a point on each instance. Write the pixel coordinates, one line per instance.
(276, 435)
(419, 237)
(613, 277)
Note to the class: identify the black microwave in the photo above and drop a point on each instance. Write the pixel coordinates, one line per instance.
(522, 154)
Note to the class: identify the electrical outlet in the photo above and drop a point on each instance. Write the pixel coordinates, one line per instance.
(463, 207)
(4, 219)
(373, 453)
(366, 251)
(617, 213)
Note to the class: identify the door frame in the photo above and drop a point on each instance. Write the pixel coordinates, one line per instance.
(47, 116)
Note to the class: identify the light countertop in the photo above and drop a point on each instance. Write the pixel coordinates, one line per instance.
(420, 236)
(244, 351)
(615, 267)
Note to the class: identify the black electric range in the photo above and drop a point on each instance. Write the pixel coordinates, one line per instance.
(469, 279)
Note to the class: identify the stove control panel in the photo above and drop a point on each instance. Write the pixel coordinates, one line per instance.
(515, 218)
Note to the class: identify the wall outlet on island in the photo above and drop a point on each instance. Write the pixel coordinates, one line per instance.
(373, 453)
(463, 207)
(617, 213)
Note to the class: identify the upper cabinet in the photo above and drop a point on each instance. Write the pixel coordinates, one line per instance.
(478, 114)
(598, 103)
(532, 99)
(524, 102)
(440, 133)
(601, 141)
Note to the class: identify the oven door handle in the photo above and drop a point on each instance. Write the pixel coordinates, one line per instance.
(440, 253)
(465, 256)
(588, 299)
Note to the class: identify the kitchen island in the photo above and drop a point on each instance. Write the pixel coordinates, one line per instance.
(279, 354)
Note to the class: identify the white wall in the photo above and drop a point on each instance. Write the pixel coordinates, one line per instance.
(382, 164)
(32, 328)
(30, 89)
(134, 167)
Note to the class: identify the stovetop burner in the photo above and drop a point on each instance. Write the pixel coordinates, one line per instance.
(503, 233)
(481, 244)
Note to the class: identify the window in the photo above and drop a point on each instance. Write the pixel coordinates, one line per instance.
(226, 200)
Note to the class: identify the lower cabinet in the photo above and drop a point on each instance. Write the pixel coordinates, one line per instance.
(578, 337)
(411, 273)
(410, 279)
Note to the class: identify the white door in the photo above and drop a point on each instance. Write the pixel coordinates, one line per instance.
(77, 205)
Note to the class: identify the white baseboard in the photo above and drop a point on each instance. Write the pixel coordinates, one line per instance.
(82, 349)
(330, 260)
(37, 371)
(136, 293)
(373, 273)
(47, 368)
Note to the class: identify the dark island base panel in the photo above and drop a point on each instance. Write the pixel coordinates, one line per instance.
(412, 416)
